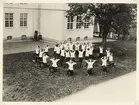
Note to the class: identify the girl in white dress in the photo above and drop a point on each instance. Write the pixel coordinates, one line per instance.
(67, 55)
(104, 63)
(46, 49)
(70, 68)
(111, 62)
(62, 56)
(36, 54)
(90, 66)
(81, 57)
(53, 67)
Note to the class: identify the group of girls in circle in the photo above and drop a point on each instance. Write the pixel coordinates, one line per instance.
(72, 53)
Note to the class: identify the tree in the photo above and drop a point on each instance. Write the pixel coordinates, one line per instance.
(116, 16)
(124, 20)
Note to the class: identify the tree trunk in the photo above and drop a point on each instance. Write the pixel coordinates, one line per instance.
(104, 40)
(123, 37)
(106, 29)
(118, 36)
(118, 32)
(100, 33)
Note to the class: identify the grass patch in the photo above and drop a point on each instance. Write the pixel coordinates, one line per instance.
(23, 80)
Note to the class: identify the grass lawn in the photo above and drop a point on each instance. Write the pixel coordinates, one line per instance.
(23, 80)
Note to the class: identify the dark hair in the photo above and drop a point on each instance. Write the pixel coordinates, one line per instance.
(70, 59)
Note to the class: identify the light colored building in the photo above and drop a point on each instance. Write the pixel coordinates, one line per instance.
(49, 19)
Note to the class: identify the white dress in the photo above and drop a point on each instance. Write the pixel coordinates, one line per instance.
(90, 65)
(72, 54)
(80, 54)
(46, 49)
(71, 65)
(54, 62)
(45, 59)
(104, 62)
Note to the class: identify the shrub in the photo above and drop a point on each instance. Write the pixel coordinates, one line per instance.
(40, 37)
(23, 37)
(78, 39)
(36, 35)
(9, 37)
(132, 38)
(118, 51)
(69, 39)
(86, 37)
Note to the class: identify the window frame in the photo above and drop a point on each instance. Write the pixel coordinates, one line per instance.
(78, 22)
(23, 20)
(70, 23)
(23, 3)
(86, 23)
(9, 20)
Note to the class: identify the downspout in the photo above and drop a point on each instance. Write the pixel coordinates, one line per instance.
(98, 29)
(39, 17)
(93, 22)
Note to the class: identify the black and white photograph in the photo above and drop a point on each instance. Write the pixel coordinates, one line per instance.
(61, 52)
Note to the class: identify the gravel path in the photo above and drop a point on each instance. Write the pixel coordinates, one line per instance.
(26, 46)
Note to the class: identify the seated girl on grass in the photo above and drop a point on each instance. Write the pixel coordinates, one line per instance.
(90, 66)
(70, 67)
(45, 60)
(54, 66)
(104, 63)
(36, 54)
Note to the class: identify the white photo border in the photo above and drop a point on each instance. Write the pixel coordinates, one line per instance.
(66, 1)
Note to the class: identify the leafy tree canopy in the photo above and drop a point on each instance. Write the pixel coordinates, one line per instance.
(117, 16)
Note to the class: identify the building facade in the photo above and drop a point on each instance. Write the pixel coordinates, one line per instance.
(48, 19)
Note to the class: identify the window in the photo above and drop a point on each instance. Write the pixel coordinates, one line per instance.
(8, 3)
(23, 19)
(86, 24)
(78, 22)
(70, 22)
(8, 19)
(23, 3)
